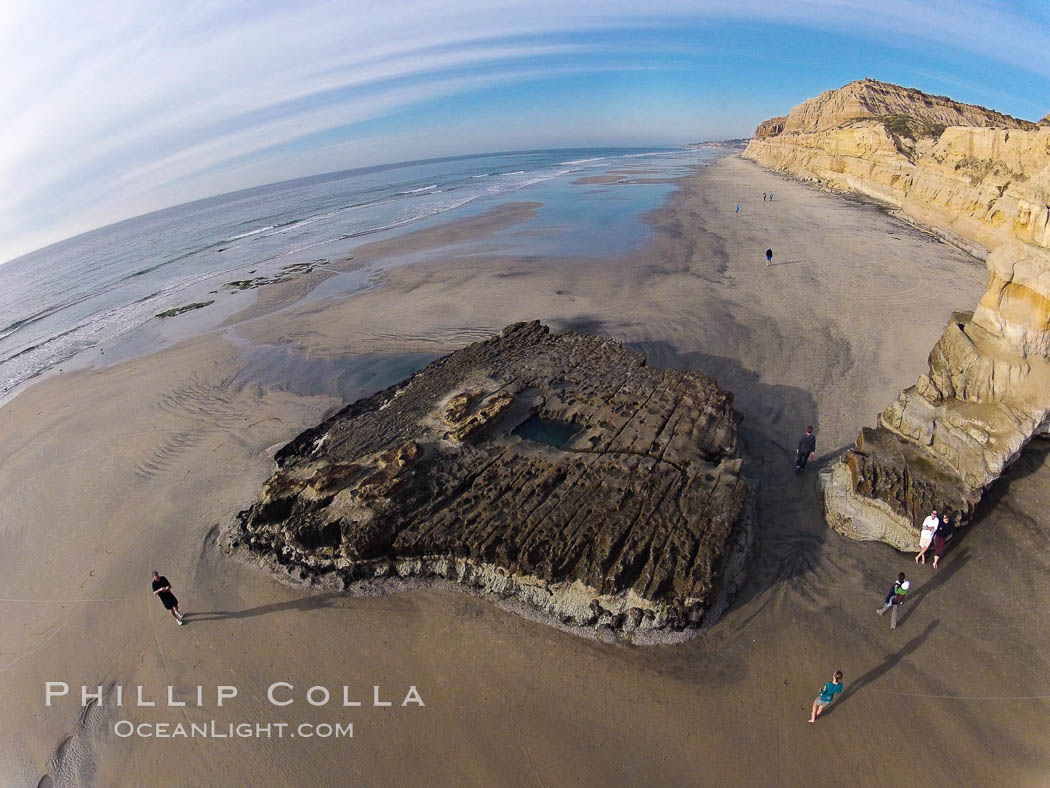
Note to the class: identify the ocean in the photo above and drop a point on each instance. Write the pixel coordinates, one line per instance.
(75, 299)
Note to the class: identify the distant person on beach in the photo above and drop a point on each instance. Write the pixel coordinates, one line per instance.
(738, 207)
(941, 537)
(895, 598)
(769, 257)
(929, 528)
(807, 447)
(763, 196)
(162, 588)
(771, 196)
(831, 689)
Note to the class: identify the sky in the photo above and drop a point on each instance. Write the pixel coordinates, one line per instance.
(109, 110)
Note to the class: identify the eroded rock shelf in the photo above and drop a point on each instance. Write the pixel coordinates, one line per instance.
(555, 470)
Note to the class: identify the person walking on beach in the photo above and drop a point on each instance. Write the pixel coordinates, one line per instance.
(900, 586)
(763, 196)
(769, 257)
(771, 196)
(807, 447)
(162, 588)
(738, 207)
(895, 598)
(941, 537)
(831, 689)
(929, 528)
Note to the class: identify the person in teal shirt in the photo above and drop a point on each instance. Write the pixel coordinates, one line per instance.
(831, 689)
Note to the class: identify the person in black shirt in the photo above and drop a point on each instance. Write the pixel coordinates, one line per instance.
(162, 588)
(807, 446)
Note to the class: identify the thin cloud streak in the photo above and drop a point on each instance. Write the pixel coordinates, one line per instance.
(116, 110)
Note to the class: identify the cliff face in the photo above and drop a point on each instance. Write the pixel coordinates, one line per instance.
(868, 99)
(980, 177)
(944, 441)
(982, 180)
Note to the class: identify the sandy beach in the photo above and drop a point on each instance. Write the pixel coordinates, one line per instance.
(106, 474)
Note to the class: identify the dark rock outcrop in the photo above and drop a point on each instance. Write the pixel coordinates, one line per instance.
(555, 470)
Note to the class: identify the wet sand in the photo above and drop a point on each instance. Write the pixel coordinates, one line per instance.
(109, 473)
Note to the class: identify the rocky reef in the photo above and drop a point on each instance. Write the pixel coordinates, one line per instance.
(974, 176)
(554, 472)
(981, 180)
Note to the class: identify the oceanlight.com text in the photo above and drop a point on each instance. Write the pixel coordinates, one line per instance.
(233, 730)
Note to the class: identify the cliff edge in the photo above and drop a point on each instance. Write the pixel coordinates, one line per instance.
(980, 179)
(978, 176)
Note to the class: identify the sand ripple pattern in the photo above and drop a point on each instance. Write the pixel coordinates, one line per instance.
(206, 408)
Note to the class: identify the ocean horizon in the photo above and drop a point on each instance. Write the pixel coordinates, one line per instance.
(73, 300)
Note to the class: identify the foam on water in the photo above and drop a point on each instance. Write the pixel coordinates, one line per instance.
(87, 291)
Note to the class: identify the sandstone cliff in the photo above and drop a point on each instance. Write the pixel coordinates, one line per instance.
(946, 439)
(556, 471)
(979, 177)
(982, 180)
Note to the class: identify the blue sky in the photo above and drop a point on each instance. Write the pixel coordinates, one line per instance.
(117, 109)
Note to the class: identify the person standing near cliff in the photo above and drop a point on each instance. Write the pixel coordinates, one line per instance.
(941, 537)
(807, 447)
(831, 689)
(929, 528)
(162, 588)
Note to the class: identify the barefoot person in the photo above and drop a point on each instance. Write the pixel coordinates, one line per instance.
(941, 537)
(929, 528)
(162, 588)
(831, 689)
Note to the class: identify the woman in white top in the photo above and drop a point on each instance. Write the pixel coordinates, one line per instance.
(929, 527)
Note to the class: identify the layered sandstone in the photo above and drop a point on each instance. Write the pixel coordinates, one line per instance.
(558, 471)
(982, 180)
(946, 439)
(979, 177)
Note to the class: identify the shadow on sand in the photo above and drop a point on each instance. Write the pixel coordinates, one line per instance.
(884, 667)
(947, 568)
(327, 600)
(791, 528)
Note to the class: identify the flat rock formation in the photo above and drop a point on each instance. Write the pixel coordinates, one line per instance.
(557, 472)
(975, 176)
(982, 180)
